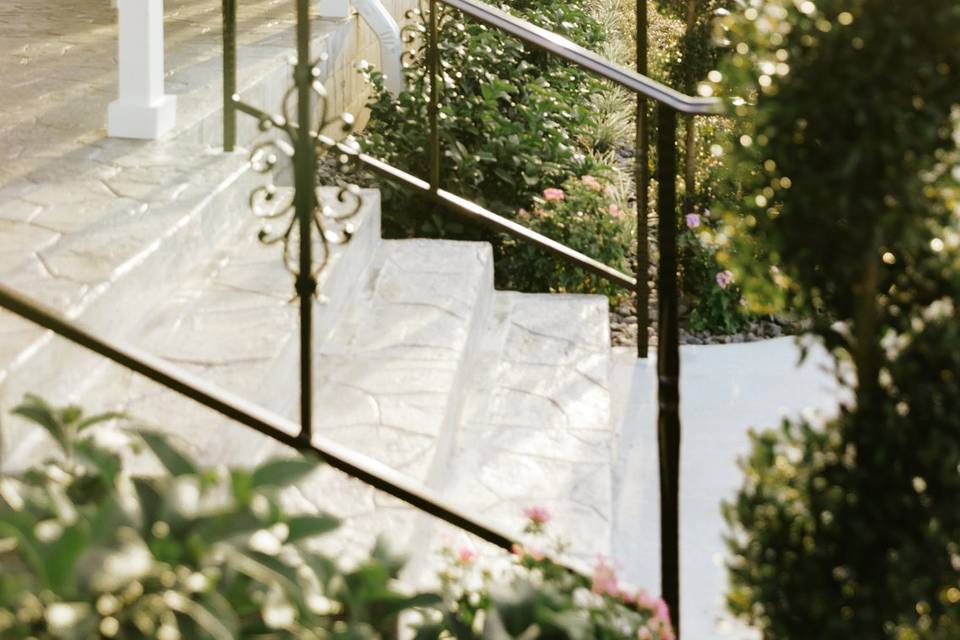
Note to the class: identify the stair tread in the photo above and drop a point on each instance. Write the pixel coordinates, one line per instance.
(389, 377)
(545, 438)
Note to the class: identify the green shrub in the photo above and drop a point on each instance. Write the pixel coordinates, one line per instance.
(715, 299)
(514, 121)
(853, 528)
(584, 214)
(92, 551)
(849, 169)
(509, 118)
(845, 105)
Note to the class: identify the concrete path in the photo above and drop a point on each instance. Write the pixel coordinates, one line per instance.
(726, 390)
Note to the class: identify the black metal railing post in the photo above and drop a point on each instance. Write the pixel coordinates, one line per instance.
(305, 165)
(229, 74)
(433, 109)
(668, 361)
(641, 180)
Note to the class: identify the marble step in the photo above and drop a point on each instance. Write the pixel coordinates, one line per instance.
(105, 247)
(390, 372)
(230, 320)
(104, 225)
(536, 430)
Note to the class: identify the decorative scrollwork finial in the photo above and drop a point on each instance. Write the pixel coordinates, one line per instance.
(334, 207)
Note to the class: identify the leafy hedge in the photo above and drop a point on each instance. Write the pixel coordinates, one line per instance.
(514, 122)
(849, 166)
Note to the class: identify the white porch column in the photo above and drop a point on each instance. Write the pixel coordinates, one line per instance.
(142, 109)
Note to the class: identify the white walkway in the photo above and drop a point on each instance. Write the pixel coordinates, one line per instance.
(725, 390)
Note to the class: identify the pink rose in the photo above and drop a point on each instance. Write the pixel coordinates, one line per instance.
(591, 183)
(604, 579)
(615, 211)
(693, 220)
(724, 278)
(644, 600)
(537, 515)
(661, 611)
(553, 195)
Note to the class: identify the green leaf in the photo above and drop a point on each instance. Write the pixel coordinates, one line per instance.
(392, 603)
(20, 526)
(428, 632)
(173, 461)
(36, 410)
(310, 526)
(101, 417)
(149, 498)
(61, 559)
(282, 472)
(200, 614)
(104, 462)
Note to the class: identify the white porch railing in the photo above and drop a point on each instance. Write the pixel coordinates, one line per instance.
(143, 109)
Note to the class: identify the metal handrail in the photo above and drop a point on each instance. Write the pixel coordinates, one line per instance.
(272, 425)
(669, 104)
(484, 216)
(586, 59)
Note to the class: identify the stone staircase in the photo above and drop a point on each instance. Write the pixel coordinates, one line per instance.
(496, 400)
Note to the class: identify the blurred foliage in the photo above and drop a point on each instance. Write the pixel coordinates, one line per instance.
(845, 112)
(533, 598)
(690, 55)
(850, 172)
(90, 551)
(852, 528)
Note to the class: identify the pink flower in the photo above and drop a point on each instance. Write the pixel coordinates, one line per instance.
(591, 183)
(643, 633)
(516, 550)
(661, 611)
(724, 278)
(615, 210)
(693, 220)
(536, 554)
(553, 195)
(466, 555)
(644, 601)
(604, 579)
(537, 515)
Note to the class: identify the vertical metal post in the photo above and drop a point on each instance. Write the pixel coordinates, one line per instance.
(229, 74)
(433, 109)
(690, 133)
(641, 180)
(305, 165)
(668, 362)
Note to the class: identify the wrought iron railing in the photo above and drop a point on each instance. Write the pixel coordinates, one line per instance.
(312, 226)
(669, 103)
